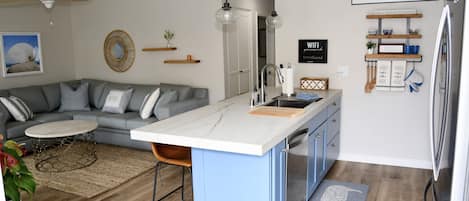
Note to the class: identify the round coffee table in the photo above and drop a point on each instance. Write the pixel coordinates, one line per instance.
(63, 145)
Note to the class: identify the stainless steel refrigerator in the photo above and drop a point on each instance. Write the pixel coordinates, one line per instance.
(444, 98)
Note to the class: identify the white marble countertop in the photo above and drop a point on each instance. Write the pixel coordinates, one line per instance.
(227, 126)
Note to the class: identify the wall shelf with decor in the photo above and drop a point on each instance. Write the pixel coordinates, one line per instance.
(386, 69)
(407, 57)
(184, 61)
(394, 16)
(394, 36)
(156, 49)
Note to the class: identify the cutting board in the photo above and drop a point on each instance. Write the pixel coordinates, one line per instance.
(276, 111)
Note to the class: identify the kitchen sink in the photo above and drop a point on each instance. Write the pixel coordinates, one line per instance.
(291, 103)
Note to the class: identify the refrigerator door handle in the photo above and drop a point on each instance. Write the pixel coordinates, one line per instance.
(436, 152)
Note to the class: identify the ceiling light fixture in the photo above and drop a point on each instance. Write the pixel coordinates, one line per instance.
(225, 14)
(49, 4)
(274, 21)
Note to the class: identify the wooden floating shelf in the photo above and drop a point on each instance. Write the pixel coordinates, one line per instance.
(393, 56)
(154, 49)
(394, 16)
(394, 36)
(182, 61)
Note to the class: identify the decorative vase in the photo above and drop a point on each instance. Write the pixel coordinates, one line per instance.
(168, 43)
(371, 50)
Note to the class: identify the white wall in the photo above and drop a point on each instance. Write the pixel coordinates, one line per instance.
(197, 33)
(383, 128)
(56, 42)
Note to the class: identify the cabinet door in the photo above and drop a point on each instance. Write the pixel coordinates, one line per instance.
(321, 152)
(333, 149)
(316, 159)
(279, 172)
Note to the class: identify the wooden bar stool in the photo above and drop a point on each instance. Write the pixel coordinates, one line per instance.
(171, 155)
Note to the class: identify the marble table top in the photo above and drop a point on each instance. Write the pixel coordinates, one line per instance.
(61, 129)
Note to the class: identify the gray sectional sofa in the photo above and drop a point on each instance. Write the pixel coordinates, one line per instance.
(45, 101)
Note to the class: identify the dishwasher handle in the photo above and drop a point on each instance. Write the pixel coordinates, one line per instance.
(297, 138)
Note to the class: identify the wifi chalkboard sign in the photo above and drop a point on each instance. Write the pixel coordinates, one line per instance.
(312, 51)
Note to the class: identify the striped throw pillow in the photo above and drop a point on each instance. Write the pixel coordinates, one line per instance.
(146, 109)
(17, 108)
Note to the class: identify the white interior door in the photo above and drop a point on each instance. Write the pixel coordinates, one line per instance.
(239, 54)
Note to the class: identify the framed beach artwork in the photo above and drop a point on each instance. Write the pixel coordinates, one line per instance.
(21, 53)
(358, 2)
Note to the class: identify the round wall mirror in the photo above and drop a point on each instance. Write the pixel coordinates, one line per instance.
(119, 51)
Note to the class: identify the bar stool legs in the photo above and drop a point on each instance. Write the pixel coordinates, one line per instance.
(155, 182)
(182, 186)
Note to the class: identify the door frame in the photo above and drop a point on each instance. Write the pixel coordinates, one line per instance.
(253, 71)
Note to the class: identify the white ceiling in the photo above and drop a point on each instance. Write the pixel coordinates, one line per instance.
(28, 2)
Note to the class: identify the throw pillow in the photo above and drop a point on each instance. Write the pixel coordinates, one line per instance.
(74, 100)
(4, 115)
(165, 99)
(17, 108)
(117, 101)
(146, 109)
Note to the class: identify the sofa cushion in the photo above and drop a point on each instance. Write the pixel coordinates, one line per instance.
(140, 91)
(74, 100)
(138, 122)
(4, 117)
(95, 90)
(116, 121)
(4, 93)
(50, 117)
(90, 116)
(184, 92)
(52, 95)
(200, 93)
(107, 88)
(33, 97)
(16, 129)
(165, 99)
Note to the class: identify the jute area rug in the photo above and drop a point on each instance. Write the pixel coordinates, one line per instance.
(115, 166)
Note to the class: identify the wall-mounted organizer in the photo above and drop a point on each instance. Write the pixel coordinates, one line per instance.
(387, 71)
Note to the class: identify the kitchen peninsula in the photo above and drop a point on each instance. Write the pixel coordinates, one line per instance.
(237, 156)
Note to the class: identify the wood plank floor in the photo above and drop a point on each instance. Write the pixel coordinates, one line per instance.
(385, 183)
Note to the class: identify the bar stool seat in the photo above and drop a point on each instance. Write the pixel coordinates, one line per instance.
(171, 155)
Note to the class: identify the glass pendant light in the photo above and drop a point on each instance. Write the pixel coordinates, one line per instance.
(274, 21)
(225, 14)
(49, 4)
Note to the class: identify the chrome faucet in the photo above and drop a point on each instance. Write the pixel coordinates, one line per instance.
(280, 78)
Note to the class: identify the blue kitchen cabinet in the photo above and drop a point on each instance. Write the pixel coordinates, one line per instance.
(316, 158)
(323, 145)
(238, 177)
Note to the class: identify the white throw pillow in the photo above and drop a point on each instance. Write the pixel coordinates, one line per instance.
(17, 108)
(117, 101)
(146, 109)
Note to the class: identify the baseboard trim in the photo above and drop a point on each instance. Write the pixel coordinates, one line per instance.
(379, 160)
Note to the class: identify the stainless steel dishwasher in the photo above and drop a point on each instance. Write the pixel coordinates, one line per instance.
(297, 164)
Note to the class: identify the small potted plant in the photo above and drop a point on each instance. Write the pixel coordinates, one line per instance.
(168, 36)
(16, 176)
(371, 47)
